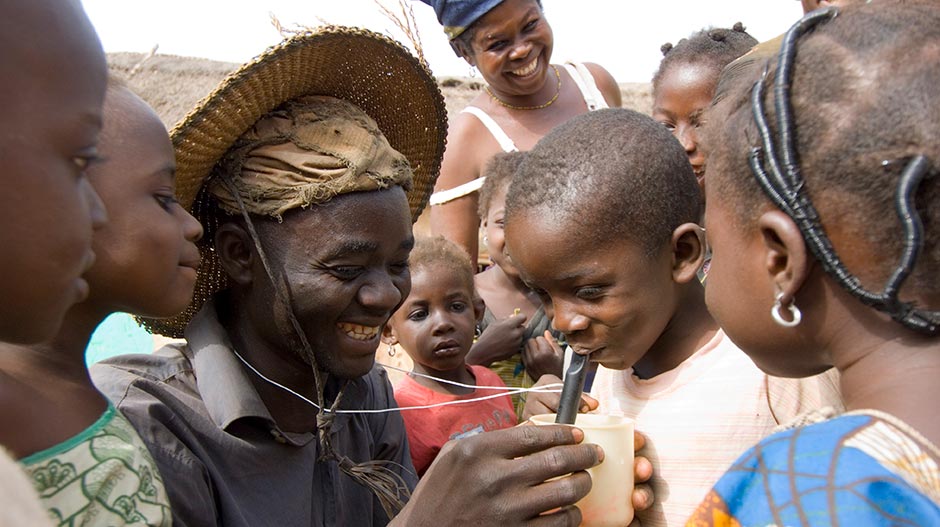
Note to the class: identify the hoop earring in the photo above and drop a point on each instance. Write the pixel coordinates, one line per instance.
(391, 349)
(472, 72)
(795, 314)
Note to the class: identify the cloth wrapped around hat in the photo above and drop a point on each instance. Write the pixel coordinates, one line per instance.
(457, 15)
(306, 152)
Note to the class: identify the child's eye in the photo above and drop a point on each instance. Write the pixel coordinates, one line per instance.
(418, 315)
(458, 307)
(589, 293)
(166, 201)
(531, 25)
(346, 272)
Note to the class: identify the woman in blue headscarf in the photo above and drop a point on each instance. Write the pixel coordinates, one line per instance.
(525, 96)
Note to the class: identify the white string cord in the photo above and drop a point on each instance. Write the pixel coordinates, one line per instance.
(548, 388)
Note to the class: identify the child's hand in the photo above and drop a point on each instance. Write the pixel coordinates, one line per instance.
(499, 341)
(547, 403)
(542, 355)
(505, 477)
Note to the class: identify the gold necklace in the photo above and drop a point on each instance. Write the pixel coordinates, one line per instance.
(537, 107)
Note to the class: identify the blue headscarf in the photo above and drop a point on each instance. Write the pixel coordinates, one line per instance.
(457, 15)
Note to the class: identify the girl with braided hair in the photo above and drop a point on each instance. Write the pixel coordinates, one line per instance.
(685, 82)
(823, 215)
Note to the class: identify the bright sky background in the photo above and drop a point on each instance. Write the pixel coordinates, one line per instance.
(622, 35)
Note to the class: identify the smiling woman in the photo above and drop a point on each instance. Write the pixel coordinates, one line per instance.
(511, 43)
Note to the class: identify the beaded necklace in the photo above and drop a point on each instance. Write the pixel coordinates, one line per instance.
(537, 107)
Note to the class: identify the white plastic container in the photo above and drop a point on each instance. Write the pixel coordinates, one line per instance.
(610, 503)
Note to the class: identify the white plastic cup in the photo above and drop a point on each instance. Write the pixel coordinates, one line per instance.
(610, 502)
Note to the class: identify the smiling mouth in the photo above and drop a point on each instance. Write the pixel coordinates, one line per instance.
(528, 69)
(358, 332)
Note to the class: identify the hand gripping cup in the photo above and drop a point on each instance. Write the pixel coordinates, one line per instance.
(609, 504)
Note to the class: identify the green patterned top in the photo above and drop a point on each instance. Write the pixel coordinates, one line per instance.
(103, 476)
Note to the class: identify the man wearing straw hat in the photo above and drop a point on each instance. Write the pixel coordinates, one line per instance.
(307, 168)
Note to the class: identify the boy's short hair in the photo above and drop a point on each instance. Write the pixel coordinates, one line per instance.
(499, 171)
(438, 250)
(613, 174)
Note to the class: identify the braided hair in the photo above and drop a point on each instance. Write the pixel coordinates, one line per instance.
(716, 47)
(853, 116)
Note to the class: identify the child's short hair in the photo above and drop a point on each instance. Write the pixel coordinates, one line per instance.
(715, 47)
(613, 173)
(864, 100)
(498, 172)
(439, 250)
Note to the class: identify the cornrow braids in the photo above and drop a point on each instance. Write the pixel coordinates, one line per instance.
(716, 47)
(499, 171)
(842, 132)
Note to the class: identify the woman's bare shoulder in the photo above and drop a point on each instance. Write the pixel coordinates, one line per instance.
(605, 83)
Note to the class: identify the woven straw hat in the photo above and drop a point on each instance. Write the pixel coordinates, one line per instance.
(368, 69)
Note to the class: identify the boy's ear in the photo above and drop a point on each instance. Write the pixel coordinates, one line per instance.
(688, 252)
(787, 261)
(234, 248)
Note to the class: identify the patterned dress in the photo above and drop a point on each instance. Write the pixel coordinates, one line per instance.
(863, 468)
(103, 476)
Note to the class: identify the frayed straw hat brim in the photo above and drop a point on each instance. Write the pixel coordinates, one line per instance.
(368, 69)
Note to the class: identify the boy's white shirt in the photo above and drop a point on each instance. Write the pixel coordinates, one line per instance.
(701, 416)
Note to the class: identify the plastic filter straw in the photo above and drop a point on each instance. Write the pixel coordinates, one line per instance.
(571, 389)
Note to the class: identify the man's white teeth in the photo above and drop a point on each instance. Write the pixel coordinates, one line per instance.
(527, 70)
(359, 332)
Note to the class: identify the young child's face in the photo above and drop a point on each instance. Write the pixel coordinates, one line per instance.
(610, 299)
(436, 323)
(494, 226)
(54, 75)
(683, 94)
(146, 255)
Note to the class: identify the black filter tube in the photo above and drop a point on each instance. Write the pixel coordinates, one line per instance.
(571, 390)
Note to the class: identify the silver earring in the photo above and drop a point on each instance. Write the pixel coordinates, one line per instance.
(391, 349)
(473, 72)
(795, 314)
(486, 241)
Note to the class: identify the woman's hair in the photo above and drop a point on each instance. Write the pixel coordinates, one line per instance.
(613, 174)
(864, 98)
(462, 44)
(498, 173)
(715, 47)
(439, 251)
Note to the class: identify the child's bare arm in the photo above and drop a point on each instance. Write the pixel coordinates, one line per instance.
(499, 341)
